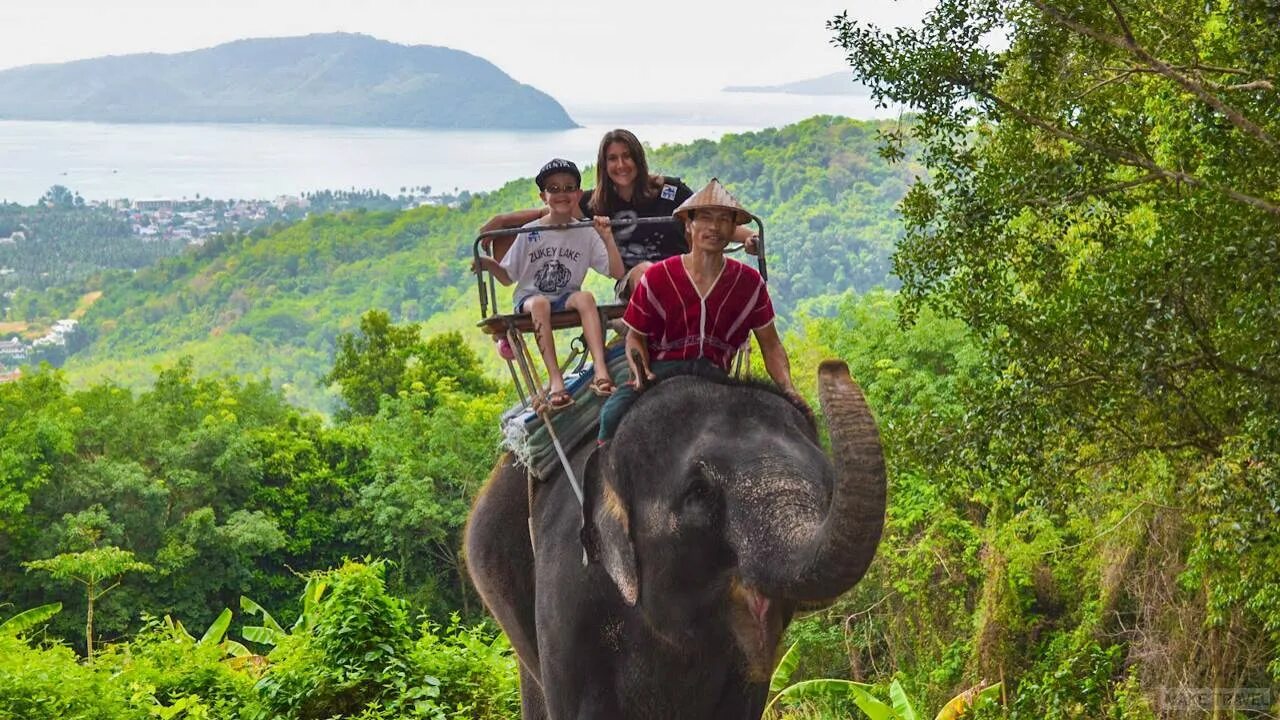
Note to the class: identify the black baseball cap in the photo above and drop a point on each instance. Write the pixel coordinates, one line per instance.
(558, 165)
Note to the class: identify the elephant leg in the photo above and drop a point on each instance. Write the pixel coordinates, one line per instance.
(500, 557)
(532, 704)
(592, 704)
(577, 668)
(749, 704)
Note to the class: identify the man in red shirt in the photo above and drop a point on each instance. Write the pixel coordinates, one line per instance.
(691, 313)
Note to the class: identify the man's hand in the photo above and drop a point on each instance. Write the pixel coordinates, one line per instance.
(798, 400)
(638, 359)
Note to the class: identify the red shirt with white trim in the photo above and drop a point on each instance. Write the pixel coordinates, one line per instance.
(682, 325)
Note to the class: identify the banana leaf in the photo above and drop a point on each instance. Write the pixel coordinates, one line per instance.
(28, 619)
(825, 689)
(901, 704)
(786, 668)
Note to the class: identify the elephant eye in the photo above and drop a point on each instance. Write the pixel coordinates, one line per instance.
(699, 488)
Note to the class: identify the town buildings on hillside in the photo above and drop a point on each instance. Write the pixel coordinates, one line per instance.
(15, 352)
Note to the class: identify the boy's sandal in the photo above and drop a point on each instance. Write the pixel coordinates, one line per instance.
(559, 400)
(602, 387)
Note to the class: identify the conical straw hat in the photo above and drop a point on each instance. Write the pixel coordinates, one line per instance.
(713, 196)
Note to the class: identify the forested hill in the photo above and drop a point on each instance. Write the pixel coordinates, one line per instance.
(329, 79)
(274, 302)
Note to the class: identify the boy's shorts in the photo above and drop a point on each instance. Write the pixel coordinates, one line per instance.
(557, 303)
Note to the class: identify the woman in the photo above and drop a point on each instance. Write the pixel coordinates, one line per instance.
(625, 190)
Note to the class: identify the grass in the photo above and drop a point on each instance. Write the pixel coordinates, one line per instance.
(85, 302)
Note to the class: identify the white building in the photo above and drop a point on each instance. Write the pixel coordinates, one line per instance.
(288, 201)
(12, 350)
(153, 204)
(50, 339)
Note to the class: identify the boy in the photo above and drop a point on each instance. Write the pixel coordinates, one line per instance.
(548, 267)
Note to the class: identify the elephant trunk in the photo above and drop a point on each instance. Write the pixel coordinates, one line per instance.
(825, 555)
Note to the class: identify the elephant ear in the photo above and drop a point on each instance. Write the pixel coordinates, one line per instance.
(606, 528)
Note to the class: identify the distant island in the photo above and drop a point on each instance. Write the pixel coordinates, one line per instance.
(837, 83)
(326, 79)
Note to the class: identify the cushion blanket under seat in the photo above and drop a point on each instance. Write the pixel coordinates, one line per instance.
(525, 434)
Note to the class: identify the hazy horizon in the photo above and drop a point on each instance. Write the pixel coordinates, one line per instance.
(647, 56)
(249, 160)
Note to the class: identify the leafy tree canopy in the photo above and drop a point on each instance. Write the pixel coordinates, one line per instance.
(1102, 211)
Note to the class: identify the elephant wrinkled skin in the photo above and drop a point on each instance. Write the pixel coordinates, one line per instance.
(711, 516)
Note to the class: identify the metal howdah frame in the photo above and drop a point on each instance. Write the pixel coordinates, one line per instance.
(487, 287)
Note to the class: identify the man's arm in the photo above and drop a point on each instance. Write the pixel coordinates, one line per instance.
(778, 366)
(637, 349)
(776, 362)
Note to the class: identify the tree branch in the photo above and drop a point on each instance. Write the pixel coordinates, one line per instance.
(1211, 355)
(1255, 85)
(1122, 156)
(109, 589)
(1122, 74)
(1130, 45)
(1193, 67)
(1104, 190)
(1068, 384)
(1124, 24)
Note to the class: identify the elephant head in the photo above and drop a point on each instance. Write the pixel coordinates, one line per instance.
(715, 509)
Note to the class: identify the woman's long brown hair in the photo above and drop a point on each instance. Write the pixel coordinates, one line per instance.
(605, 196)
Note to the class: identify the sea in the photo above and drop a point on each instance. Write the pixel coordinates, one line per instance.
(104, 161)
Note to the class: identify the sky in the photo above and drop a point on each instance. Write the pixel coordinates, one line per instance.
(576, 51)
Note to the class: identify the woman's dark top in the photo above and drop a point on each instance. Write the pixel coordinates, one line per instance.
(648, 243)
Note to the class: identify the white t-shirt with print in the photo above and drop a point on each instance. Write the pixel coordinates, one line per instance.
(554, 262)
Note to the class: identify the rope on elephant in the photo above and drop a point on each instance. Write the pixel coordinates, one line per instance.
(515, 437)
(526, 436)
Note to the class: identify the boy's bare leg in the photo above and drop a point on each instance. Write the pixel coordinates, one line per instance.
(585, 303)
(539, 309)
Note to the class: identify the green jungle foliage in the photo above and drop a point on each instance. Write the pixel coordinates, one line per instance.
(210, 488)
(361, 656)
(274, 301)
(1085, 505)
(826, 197)
(55, 252)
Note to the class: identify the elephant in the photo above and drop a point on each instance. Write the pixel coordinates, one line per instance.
(707, 522)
